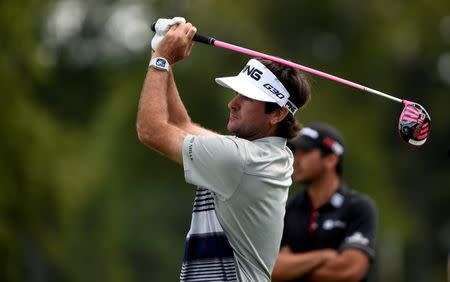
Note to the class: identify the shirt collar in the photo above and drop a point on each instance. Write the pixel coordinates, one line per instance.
(275, 140)
(336, 200)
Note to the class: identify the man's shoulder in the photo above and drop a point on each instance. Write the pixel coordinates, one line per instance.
(297, 200)
(270, 141)
(215, 149)
(358, 198)
(216, 140)
(227, 140)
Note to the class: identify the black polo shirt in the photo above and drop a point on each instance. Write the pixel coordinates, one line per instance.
(348, 220)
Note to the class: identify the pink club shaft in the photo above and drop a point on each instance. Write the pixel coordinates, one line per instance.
(243, 50)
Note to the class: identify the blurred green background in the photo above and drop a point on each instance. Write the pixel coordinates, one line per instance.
(82, 200)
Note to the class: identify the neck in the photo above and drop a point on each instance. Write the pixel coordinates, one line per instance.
(261, 134)
(321, 189)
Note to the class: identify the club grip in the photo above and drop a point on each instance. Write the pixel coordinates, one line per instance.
(203, 39)
(197, 37)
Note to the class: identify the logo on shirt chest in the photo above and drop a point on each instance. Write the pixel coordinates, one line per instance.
(329, 224)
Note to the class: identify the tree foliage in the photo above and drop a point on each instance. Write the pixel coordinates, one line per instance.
(82, 200)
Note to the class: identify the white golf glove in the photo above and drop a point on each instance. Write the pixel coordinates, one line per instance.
(162, 26)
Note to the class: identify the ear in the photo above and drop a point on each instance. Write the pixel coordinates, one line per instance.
(278, 115)
(331, 161)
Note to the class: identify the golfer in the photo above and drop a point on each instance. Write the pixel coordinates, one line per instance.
(329, 230)
(243, 178)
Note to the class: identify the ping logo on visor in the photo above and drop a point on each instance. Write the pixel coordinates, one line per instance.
(253, 72)
(257, 82)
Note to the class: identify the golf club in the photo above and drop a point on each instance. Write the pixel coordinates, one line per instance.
(414, 123)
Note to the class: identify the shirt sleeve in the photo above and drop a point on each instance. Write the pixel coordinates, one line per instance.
(214, 162)
(362, 229)
(285, 235)
(286, 238)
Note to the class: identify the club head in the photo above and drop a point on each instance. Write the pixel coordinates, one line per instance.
(414, 124)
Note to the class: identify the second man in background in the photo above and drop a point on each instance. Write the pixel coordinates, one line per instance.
(329, 229)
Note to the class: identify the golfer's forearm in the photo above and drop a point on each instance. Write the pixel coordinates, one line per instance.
(152, 114)
(293, 266)
(177, 111)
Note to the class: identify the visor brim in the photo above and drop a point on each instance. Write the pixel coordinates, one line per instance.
(245, 88)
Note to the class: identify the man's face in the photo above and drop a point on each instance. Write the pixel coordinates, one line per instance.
(308, 165)
(247, 118)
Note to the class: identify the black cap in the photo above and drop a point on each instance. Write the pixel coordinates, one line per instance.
(321, 136)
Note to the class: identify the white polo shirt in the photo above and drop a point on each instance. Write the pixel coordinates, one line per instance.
(250, 182)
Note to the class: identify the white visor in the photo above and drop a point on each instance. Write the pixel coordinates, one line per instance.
(257, 82)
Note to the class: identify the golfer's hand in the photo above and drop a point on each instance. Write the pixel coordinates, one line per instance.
(177, 43)
(162, 26)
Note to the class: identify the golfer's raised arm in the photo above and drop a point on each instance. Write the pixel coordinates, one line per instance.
(153, 127)
(152, 123)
